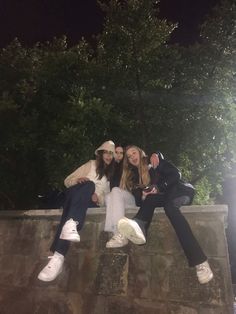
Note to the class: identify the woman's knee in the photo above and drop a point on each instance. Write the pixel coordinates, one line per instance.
(88, 187)
(116, 190)
(172, 210)
(80, 189)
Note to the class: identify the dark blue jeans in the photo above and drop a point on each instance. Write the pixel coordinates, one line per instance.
(184, 233)
(78, 199)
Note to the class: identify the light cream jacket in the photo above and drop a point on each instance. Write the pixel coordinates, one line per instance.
(88, 170)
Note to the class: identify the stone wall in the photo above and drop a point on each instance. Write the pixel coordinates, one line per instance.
(153, 278)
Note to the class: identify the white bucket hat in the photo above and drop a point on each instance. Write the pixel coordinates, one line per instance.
(108, 145)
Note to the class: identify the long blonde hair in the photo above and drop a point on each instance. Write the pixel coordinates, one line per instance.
(127, 180)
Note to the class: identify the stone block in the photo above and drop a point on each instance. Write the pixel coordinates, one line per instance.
(89, 235)
(171, 276)
(46, 230)
(16, 270)
(206, 230)
(140, 276)
(158, 242)
(82, 272)
(112, 274)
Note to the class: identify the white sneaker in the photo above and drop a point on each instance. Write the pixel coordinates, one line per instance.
(69, 231)
(53, 268)
(130, 229)
(204, 272)
(118, 240)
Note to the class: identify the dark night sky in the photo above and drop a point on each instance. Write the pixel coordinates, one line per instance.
(41, 20)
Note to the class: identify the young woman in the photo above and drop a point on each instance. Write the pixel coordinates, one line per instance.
(167, 190)
(118, 166)
(116, 202)
(86, 187)
(119, 153)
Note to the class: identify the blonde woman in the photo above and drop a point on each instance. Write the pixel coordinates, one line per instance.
(163, 188)
(117, 201)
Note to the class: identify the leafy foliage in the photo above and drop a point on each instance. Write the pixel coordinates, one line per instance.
(58, 103)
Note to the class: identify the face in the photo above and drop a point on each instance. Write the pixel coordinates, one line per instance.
(154, 160)
(107, 157)
(119, 154)
(133, 156)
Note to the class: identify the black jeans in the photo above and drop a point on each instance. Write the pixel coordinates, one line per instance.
(191, 248)
(78, 199)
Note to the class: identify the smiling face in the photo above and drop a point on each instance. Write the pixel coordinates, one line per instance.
(154, 160)
(133, 156)
(107, 157)
(119, 154)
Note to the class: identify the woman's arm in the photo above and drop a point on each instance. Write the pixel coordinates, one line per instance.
(170, 175)
(79, 175)
(165, 175)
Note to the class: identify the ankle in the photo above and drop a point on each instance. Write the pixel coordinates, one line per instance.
(57, 254)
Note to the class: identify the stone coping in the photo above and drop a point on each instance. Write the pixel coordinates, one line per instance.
(44, 213)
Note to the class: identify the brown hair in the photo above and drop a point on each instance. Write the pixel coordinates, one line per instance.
(127, 179)
(101, 168)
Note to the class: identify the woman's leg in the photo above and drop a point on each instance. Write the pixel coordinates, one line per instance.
(77, 201)
(136, 229)
(147, 208)
(184, 233)
(109, 213)
(190, 245)
(116, 202)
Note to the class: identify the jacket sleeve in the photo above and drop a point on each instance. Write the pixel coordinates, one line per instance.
(78, 173)
(137, 193)
(170, 175)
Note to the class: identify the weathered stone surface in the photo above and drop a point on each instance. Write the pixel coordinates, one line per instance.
(140, 276)
(112, 274)
(153, 278)
(173, 280)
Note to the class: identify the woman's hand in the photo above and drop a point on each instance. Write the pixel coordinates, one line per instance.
(82, 179)
(154, 190)
(95, 198)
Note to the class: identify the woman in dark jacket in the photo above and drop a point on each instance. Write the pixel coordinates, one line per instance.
(165, 189)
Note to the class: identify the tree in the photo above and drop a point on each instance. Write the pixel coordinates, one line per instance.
(132, 53)
(48, 118)
(57, 103)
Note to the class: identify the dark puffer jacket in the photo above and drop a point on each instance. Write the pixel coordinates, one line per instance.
(168, 180)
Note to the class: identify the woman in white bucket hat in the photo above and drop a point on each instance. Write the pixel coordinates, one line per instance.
(86, 187)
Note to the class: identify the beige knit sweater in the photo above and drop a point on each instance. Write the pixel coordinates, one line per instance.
(88, 170)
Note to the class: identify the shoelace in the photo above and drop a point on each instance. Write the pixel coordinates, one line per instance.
(72, 222)
(117, 237)
(53, 261)
(202, 268)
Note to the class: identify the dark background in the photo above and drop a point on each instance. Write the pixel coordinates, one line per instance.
(41, 20)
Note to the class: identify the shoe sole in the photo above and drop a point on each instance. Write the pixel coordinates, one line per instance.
(130, 233)
(72, 238)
